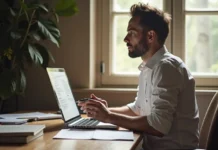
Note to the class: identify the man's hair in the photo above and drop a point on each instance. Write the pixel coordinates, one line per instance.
(152, 18)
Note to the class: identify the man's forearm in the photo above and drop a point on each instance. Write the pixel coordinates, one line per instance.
(122, 110)
(136, 123)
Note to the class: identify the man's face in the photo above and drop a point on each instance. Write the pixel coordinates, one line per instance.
(136, 38)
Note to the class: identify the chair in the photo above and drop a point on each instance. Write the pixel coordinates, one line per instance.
(212, 143)
(209, 126)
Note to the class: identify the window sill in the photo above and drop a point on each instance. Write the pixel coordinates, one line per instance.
(132, 90)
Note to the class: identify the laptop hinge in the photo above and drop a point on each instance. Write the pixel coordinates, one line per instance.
(73, 119)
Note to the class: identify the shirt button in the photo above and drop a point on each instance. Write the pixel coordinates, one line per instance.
(146, 100)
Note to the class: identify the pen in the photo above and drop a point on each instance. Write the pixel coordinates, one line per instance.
(83, 99)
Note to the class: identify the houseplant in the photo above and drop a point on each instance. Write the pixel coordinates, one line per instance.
(23, 28)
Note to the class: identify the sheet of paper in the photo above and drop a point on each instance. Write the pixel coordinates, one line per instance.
(74, 134)
(113, 135)
(94, 134)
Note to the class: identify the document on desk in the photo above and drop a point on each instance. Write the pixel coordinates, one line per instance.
(95, 134)
(8, 121)
(31, 115)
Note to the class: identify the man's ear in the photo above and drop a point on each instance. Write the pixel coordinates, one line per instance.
(151, 35)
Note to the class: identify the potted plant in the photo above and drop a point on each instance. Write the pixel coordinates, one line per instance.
(24, 25)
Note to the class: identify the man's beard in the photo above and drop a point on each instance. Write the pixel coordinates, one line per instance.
(139, 50)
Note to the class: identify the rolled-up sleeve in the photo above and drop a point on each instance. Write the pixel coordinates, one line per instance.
(132, 105)
(166, 81)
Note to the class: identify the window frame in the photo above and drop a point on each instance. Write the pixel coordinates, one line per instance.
(175, 43)
(178, 40)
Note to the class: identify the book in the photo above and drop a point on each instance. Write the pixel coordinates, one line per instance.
(19, 139)
(20, 130)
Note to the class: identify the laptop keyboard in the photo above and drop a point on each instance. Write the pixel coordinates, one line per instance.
(85, 123)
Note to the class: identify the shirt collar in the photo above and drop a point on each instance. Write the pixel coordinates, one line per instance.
(154, 59)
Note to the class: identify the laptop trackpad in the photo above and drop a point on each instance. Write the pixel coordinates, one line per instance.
(106, 125)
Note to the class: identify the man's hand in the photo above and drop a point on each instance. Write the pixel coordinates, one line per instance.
(97, 110)
(93, 97)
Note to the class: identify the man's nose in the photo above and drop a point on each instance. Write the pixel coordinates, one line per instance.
(125, 39)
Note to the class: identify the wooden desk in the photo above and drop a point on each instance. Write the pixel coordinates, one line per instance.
(46, 142)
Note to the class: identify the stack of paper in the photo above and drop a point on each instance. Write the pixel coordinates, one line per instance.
(20, 133)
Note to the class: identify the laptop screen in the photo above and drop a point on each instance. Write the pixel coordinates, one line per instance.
(61, 87)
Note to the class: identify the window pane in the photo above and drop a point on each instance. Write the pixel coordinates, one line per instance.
(201, 44)
(122, 63)
(124, 5)
(201, 4)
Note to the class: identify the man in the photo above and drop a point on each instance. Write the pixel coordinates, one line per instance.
(165, 108)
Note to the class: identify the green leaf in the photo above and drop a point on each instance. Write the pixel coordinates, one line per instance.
(12, 12)
(66, 7)
(50, 31)
(35, 55)
(42, 36)
(15, 35)
(53, 28)
(23, 5)
(24, 8)
(68, 12)
(21, 82)
(56, 17)
(41, 6)
(7, 86)
(46, 55)
(36, 36)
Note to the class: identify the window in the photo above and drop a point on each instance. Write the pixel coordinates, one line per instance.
(198, 47)
(192, 37)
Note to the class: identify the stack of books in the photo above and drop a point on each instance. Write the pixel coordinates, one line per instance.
(20, 133)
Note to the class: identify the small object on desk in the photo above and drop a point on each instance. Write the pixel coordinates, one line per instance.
(97, 134)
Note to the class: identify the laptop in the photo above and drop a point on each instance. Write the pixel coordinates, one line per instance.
(67, 104)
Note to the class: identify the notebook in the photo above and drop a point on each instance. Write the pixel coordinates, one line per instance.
(67, 104)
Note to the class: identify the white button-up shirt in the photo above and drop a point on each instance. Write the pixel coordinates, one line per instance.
(166, 95)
